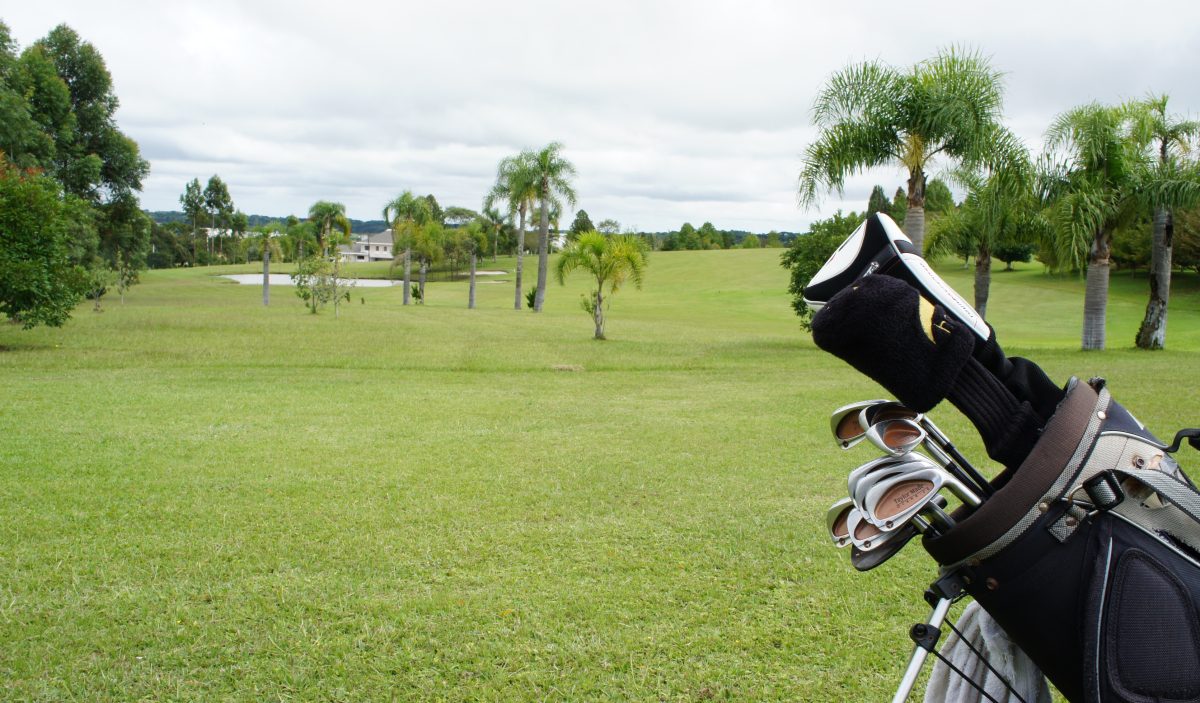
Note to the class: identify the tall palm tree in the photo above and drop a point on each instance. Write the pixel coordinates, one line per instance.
(610, 260)
(872, 114)
(553, 176)
(326, 216)
(407, 213)
(1172, 138)
(1104, 179)
(516, 186)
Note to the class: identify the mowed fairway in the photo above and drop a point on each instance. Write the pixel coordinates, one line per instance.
(205, 499)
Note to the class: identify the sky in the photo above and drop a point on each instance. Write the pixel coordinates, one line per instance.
(671, 112)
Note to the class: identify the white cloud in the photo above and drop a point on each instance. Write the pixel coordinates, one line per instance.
(672, 111)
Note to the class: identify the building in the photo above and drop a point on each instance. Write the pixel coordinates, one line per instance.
(373, 247)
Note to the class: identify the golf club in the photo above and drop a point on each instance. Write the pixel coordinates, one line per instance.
(893, 501)
(845, 425)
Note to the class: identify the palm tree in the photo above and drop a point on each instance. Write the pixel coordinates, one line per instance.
(552, 174)
(995, 213)
(494, 224)
(407, 213)
(1104, 180)
(872, 114)
(515, 184)
(326, 216)
(1173, 139)
(610, 260)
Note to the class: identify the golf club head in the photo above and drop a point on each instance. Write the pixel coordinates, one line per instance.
(882, 471)
(871, 558)
(878, 246)
(894, 501)
(868, 537)
(844, 423)
(835, 521)
(857, 474)
(896, 437)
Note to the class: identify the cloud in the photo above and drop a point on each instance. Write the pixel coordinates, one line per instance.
(671, 110)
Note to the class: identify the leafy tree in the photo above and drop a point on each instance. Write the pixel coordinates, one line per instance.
(552, 176)
(192, 201)
(516, 185)
(1170, 137)
(582, 223)
(495, 225)
(710, 238)
(318, 283)
(407, 213)
(750, 241)
(460, 216)
(938, 198)
(328, 217)
(475, 241)
(878, 202)
(38, 283)
(611, 260)
(1012, 252)
(1103, 180)
(428, 249)
(872, 114)
(435, 211)
(218, 204)
(809, 252)
(899, 209)
(773, 240)
(608, 226)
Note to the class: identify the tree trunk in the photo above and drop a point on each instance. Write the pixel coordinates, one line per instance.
(471, 297)
(1153, 332)
(1095, 297)
(407, 274)
(598, 313)
(914, 216)
(983, 279)
(421, 283)
(266, 275)
(520, 257)
(543, 255)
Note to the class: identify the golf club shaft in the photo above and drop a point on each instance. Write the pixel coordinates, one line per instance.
(961, 462)
(936, 618)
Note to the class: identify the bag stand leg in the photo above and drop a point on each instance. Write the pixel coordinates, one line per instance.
(936, 618)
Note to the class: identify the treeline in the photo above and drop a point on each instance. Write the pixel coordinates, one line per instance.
(164, 217)
(70, 221)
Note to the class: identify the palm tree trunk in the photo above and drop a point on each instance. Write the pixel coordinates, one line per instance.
(914, 216)
(598, 313)
(1095, 297)
(471, 297)
(407, 274)
(266, 275)
(1153, 332)
(983, 279)
(421, 283)
(543, 255)
(520, 257)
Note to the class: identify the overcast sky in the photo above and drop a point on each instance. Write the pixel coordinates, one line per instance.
(671, 111)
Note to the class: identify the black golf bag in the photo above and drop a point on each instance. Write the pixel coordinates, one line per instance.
(1089, 557)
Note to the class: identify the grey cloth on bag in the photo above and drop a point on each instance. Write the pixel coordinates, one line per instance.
(990, 640)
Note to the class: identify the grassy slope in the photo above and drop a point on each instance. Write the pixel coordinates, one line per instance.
(204, 499)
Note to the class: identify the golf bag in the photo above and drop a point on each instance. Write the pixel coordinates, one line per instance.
(1088, 555)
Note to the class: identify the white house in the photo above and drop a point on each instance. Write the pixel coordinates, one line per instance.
(373, 247)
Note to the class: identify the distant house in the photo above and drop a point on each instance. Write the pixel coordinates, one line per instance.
(372, 247)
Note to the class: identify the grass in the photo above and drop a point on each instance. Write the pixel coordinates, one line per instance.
(205, 499)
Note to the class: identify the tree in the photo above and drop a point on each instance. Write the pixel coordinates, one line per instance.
(318, 283)
(217, 204)
(494, 225)
(750, 241)
(459, 216)
(408, 214)
(328, 217)
(608, 226)
(872, 114)
(516, 185)
(878, 202)
(899, 209)
(611, 260)
(710, 238)
(1170, 137)
(475, 241)
(773, 240)
(435, 211)
(582, 223)
(192, 201)
(1102, 179)
(428, 248)
(938, 198)
(552, 180)
(809, 252)
(39, 285)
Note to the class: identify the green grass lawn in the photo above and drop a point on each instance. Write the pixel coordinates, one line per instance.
(205, 499)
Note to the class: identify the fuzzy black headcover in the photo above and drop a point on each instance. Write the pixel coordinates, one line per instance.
(876, 326)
